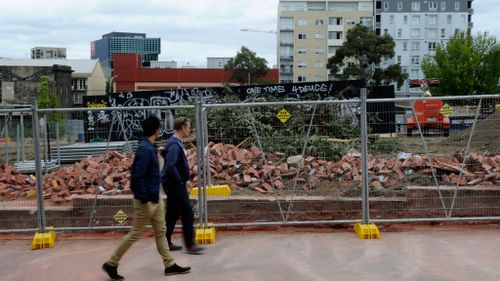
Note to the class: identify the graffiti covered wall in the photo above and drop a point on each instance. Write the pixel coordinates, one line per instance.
(126, 124)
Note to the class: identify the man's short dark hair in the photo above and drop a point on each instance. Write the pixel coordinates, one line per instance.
(180, 122)
(150, 125)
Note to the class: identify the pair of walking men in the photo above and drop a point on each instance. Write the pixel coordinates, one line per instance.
(148, 207)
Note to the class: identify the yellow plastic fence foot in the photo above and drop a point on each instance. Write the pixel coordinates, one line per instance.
(43, 240)
(215, 190)
(205, 235)
(367, 231)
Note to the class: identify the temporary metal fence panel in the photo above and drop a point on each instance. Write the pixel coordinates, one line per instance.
(440, 159)
(285, 162)
(18, 208)
(88, 152)
(291, 162)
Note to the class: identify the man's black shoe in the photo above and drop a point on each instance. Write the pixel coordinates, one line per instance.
(175, 269)
(195, 250)
(112, 271)
(173, 247)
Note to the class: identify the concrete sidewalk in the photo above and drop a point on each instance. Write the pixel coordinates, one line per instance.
(414, 255)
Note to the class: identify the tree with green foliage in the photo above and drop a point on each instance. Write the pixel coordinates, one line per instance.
(466, 65)
(247, 68)
(360, 56)
(47, 98)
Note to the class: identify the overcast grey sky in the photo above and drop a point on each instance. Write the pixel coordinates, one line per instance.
(190, 30)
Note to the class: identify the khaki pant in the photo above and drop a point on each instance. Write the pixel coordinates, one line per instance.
(144, 214)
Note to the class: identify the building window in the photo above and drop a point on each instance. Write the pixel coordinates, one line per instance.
(400, 32)
(443, 32)
(433, 6)
(83, 84)
(386, 5)
(432, 19)
(391, 19)
(335, 21)
(415, 46)
(400, 6)
(302, 65)
(405, 19)
(448, 18)
(399, 60)
(457, 6)
(74, 84)
(286, 52)
(350, 22)
(301, 22)
(319, 22)
(302, 36)
(302, 50)
(286, 37)
(319, 64)
(386, 31)
(332, 50)
(301, 79)
(443, 6)
(77, 98)
(432, 46)
(415, 32)
(366, 21)
(405, 46)
(319, 51)
(415, 20)
(286, 23)
(432, 33)
(414, 73)
(415, 60)
(335, 35)
(415, 6)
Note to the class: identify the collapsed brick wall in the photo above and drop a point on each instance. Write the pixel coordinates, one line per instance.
(246, 169)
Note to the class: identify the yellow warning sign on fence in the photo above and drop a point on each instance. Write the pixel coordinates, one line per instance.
(446, 110)
(283, 115)
(120, 216)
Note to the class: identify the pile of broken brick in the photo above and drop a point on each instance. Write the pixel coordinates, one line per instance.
(251, 169)
(107, 174)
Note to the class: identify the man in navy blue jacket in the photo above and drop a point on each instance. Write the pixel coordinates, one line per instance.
(174, 175)
(148, 206)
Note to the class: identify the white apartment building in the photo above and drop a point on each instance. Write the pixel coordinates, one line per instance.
(48, 53)
(217, 62)
(309, 32)
(417, 27)
(162, 64)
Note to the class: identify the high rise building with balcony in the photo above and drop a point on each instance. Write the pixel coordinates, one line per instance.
(417, 27)
(309, 32)
(124, 43)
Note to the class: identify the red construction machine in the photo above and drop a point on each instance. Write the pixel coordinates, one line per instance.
(427, 113)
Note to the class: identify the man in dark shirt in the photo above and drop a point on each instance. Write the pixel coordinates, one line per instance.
(148, 206)
(174, 175)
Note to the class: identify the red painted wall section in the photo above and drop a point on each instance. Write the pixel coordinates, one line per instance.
(125, 67)
(127, 70)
